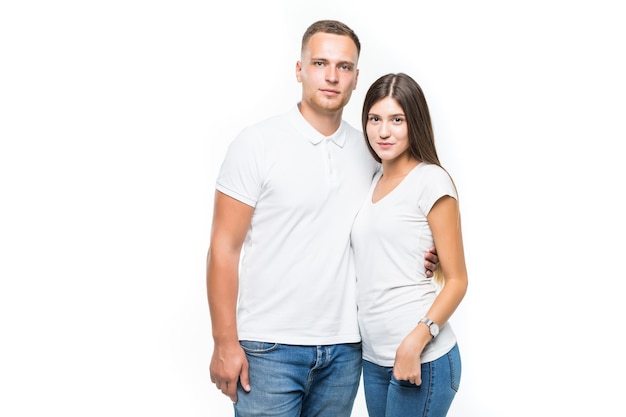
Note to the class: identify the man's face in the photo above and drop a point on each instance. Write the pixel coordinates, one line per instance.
(328, 72)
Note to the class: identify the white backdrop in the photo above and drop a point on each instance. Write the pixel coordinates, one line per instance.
(114, 118)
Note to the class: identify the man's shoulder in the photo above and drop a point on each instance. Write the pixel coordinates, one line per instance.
(351, 130)
(277, 121)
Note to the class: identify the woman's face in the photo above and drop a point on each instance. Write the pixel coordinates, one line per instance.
(387, 130)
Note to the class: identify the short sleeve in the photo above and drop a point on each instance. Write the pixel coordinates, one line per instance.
(240, 175)
(437, 184)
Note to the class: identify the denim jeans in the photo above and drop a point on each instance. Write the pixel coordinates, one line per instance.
(385, 396)
(300, 381)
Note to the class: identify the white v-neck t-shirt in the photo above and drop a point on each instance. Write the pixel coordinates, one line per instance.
(389, 239)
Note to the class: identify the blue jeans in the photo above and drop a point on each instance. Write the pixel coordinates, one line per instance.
(300, 381)
(385, 396)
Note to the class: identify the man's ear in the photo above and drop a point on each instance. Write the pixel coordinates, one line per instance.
(299, 71)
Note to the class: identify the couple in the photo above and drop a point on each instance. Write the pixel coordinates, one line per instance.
(327, 224)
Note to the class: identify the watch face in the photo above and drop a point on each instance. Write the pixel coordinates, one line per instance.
(434, 330)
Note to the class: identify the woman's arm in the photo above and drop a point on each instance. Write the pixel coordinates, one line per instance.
(445, 223)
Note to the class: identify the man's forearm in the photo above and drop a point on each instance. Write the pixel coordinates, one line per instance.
(222, 287)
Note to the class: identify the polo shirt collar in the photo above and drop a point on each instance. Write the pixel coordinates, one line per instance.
(315, 137)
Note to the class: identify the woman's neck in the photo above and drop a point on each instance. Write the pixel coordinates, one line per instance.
(398, 167)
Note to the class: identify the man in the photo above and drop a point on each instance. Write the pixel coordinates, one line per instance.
(284, 320)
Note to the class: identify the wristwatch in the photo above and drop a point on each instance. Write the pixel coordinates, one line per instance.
(432, 326)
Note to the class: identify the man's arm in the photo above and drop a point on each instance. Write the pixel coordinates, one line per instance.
(431, 261)
(231, 221)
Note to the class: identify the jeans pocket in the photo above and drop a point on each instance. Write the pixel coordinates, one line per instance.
(250, 346)
(454, 358)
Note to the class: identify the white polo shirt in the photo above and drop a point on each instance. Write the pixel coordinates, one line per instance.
(297, 279)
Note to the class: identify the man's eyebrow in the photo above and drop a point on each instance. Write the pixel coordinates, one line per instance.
(326, 60)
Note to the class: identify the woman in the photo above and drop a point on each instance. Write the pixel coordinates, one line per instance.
(411, 361)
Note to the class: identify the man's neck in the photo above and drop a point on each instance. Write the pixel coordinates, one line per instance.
(326, 123)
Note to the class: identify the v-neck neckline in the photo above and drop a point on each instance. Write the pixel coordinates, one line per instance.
(395, 187)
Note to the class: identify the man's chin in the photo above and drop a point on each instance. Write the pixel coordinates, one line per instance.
(332, 106)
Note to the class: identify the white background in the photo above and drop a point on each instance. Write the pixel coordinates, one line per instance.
(114, 118)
